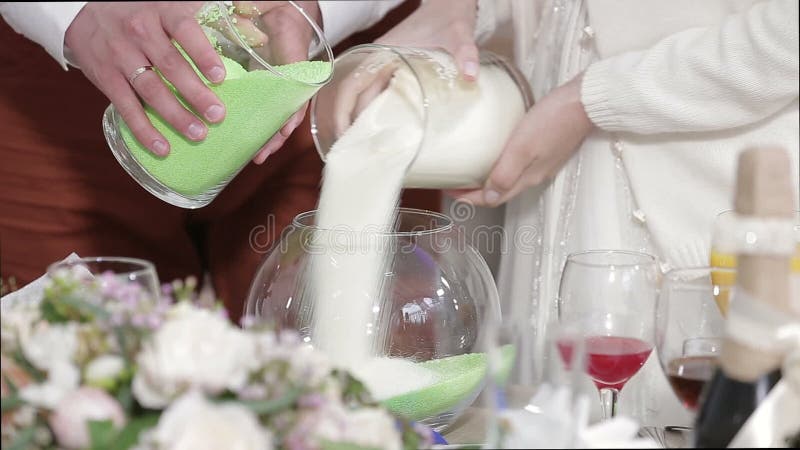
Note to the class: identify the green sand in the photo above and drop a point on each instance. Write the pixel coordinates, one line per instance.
(459, 377)
(258, 103)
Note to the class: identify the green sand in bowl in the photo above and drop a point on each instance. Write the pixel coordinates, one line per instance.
(459, 377)
(258, 103)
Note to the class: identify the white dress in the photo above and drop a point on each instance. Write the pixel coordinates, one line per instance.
(677, 90)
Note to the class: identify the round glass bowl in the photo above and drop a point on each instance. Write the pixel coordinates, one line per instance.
(404, 311)
(261, 91)
(456, 127)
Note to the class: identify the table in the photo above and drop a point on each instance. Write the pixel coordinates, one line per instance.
(470, 428)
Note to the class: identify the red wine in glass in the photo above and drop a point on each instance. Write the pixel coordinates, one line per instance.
(688, 376)
(611, 360)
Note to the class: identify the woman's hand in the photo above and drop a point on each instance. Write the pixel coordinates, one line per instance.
(110, 41)
(546, 137)
(288, 41)
(446, 24)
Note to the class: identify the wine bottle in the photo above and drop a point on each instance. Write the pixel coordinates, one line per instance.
(746, 373)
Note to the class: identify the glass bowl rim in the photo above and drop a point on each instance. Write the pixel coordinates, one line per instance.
(448, 225)
(644, 258)
(731, 211)
(146, 268)
(676, 270)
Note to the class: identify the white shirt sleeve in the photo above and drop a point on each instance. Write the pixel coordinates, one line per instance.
(340, 19)
(701, 79)
(43, 22)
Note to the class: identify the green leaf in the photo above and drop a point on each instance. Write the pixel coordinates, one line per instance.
(86, 309)
(411, 439)
(101, 433)
(10, 403)
(125, 397)
(355, 391)
(51, 313)
(267, 407)
(330, 445)
(23, 439)
(119, 333)
(12, 388)
(25, 365)
(129, 435)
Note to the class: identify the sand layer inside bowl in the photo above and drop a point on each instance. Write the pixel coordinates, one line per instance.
(423, 390)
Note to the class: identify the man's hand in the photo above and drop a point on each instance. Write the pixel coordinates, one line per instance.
(110, 41)
(286, 40)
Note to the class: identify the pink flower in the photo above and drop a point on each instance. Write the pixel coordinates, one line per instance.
(70, 420)
(193, 423)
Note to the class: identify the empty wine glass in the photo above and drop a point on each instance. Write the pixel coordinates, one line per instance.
(104, 269)
(553, 412)
(612, 294)
(726, 260)
(689, 328)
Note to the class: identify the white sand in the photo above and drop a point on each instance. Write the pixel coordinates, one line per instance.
(363, 178)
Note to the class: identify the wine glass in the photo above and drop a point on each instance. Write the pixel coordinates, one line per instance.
(129, 270)
(724, 260)
(689, 328)
(612, 293)
(552, 413)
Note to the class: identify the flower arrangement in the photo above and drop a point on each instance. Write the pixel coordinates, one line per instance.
(98, 362)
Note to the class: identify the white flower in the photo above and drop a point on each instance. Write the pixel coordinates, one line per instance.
(62, 379)
(70, 420)
(49, 344)
(307, 366)
(194, 348)
(103, 369)
(193, 423)
(25, 416)
(365, 427)
(17, 320)
(372, 428)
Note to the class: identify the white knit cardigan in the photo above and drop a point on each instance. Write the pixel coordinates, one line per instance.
(676, 89)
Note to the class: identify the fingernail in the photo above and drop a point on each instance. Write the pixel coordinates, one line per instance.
(272, 147)
(471, 69)
(260, 158)
(297, 121)
(216, 74)
(196, 131)
(265, 153)
(491, 196)
(215, 113)
(286, 130)
(160, 147)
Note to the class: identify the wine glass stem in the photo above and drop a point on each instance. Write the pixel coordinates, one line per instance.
(608, 398)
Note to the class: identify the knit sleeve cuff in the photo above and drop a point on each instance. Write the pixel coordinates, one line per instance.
(596, 96)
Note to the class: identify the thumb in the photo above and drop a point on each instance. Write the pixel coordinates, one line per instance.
(467, 59)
